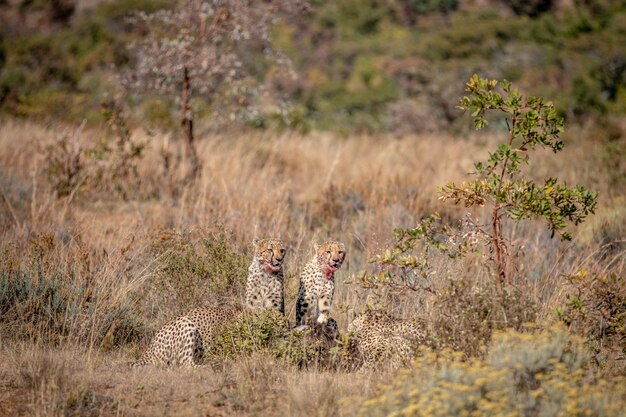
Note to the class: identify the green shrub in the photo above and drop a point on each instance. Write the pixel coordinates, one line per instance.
(523, 374)
(268, 332)
(250, 333)
(500, 182)
(595, 309)
(54, 300)
(198, 270)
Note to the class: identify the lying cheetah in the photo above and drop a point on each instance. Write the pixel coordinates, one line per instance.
(264, 287)
(184, 341)
(378, 338)
(317, 282)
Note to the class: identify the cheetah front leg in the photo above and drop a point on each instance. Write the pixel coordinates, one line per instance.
(324, 302)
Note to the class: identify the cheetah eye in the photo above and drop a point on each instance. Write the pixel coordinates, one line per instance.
(283, 251)
(328, 252)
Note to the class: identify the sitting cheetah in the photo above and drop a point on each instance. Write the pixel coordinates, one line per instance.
(184, 340)
(379, 338)
(264, 287)
(317, 282)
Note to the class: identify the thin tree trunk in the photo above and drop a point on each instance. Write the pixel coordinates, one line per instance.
(187, 125)
(497, 246)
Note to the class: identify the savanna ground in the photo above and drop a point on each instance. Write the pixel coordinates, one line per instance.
(96, 256)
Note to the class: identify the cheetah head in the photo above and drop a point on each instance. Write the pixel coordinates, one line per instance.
(270, 254)
(330, 256)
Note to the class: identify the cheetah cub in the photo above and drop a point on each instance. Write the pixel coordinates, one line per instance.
(264, 287)
(317, 282)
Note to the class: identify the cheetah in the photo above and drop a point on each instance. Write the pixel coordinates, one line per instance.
(317, 282)
(378, 338)
(264, 286)
(185, 340)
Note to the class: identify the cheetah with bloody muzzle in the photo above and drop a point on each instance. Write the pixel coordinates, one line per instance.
(317, 282)
(265, 286)
(185, 340)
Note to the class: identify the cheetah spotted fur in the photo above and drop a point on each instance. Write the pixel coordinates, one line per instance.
(317, 282)
(264, 286)
(184, 341)
(379, 339)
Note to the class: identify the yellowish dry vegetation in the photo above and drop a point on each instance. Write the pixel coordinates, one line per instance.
(111, 253)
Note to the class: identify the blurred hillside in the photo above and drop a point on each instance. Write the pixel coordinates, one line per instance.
(368, 65)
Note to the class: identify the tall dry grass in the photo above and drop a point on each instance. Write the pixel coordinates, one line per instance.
(94, 265)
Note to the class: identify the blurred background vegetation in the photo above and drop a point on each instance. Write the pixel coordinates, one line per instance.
(363, 65)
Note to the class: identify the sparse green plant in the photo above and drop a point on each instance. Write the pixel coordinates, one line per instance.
(64, 165)
(113, 158)
(49, 301)
(501, 184)
(595, 308)
(198, 270)
(250, 333)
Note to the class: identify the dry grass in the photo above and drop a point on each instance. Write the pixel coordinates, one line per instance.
(302, 189)
(57, 382)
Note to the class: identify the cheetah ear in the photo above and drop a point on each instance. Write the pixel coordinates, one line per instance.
(256, 241)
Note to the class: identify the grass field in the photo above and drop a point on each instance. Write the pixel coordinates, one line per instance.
(87, 277)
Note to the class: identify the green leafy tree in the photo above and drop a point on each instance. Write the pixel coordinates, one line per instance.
(499, 186)
(500, 183)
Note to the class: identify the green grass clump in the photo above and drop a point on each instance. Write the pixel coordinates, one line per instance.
(268, 332)
(523, 374)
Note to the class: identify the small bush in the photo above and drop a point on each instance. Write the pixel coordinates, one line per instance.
(596, 309)
(250, 333)
(464, 317)
(58, 297)
(64, 165)
(524, 374)
(113, 158)
(198, 270)
(268, 332)
(107, 166)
